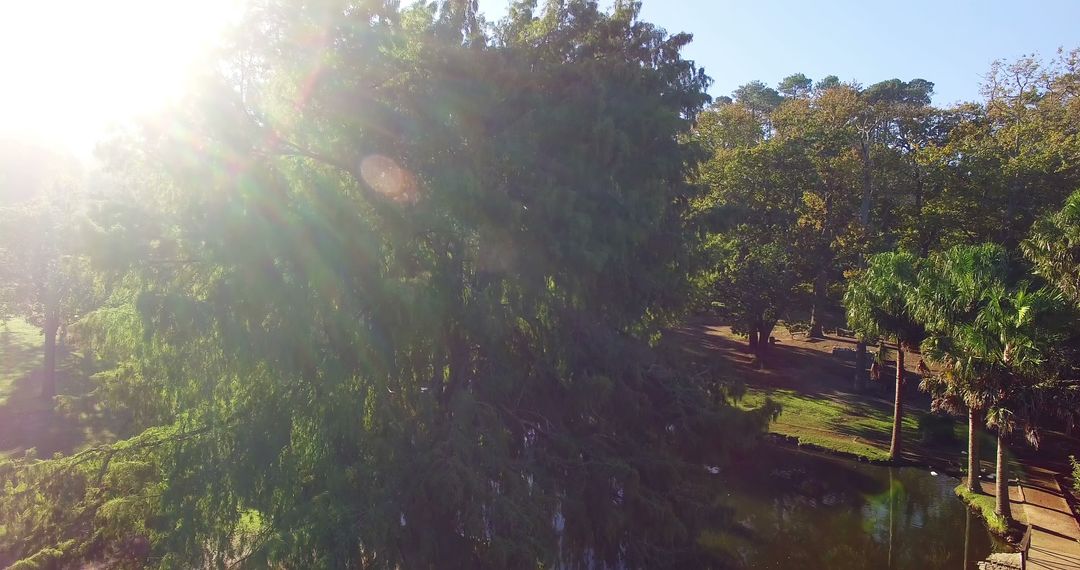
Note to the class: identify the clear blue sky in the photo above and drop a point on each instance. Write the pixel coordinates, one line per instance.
(949, 42)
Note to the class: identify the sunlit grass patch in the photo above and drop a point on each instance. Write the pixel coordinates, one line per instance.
(65, 423)
(984, 505)
(858, 428)
(20, 354)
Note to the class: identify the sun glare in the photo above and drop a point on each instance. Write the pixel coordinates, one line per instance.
(71, 69)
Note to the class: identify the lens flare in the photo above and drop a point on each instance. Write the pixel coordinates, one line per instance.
(386, 177)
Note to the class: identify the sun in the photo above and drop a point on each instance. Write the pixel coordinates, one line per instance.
(71, 69)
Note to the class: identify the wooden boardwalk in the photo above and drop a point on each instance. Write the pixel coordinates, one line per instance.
(1054, 529)
(1039, 502)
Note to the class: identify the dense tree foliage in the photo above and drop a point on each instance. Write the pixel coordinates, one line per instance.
(878, 168)
(1054, 249)
(384, 290)
(751, 219)
(383, 297)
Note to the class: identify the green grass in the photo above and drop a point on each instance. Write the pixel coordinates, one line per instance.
(860, 427)
(984, 505)
(20, 355)
(29, 421)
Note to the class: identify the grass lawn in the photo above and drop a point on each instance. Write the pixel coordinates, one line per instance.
(859, 428)
(818, 405)
(20, 356)
(29, 421)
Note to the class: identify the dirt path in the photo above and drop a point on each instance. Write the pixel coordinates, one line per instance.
(1054, 529)
(1039, 501)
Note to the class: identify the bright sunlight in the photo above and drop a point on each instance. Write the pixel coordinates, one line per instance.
(72, 69)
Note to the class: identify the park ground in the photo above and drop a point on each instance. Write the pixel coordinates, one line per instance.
(813, 380)
(820, 409)
(30, 423)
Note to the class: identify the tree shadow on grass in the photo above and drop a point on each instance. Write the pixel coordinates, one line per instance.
(813, 372)
(20, 355)
(62, 424)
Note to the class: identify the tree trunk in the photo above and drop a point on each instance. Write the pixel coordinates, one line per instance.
(764, 332)
(924, 240)
(815, 309)
(867, 182)
(860, 366)
(1010, 207)
(918, 194)
(753, 342)
(974, 417)
(48, 378)
(1003, 507)
(457, 348)
(898, 404)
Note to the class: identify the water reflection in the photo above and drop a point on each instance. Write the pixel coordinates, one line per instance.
(799, 510)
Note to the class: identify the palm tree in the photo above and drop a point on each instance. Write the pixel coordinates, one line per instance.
(994, 341)
(952, 286)
(878, 305)
(955, 390)
(1013, 335)
(1054, 249)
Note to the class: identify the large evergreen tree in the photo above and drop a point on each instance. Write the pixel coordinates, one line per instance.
(385, 292)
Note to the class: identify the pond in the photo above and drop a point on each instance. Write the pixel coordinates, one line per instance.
(796, 509)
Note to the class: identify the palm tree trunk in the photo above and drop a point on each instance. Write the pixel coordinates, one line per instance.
(898, 404)
(974, 417)
(1002, 507)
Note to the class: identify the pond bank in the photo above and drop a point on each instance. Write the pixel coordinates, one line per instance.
(794, 508)
(823, 412)
(1038, 500)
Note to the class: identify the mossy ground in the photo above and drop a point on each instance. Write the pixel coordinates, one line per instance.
(984, 505)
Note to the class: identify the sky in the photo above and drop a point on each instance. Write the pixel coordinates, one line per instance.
(949, 42)
(72, 69)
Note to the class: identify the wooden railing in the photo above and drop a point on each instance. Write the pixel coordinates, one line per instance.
(1025, 543)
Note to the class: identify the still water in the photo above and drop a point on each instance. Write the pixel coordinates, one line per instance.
(795, 509)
